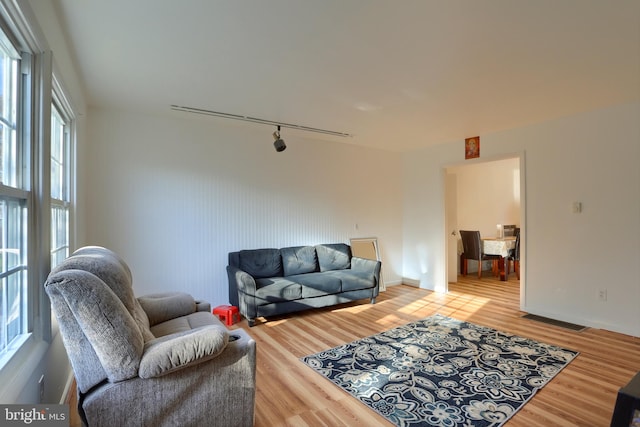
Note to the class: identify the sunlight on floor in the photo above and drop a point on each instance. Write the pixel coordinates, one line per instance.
(462, 306)
(273, 323)
(456, 304)
(356, 308)
(390, 319)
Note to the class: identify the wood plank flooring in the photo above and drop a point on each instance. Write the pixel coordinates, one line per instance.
(291, 394)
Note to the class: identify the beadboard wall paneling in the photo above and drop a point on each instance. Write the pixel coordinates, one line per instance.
(174, 195)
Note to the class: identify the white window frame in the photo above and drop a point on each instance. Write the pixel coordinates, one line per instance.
(15, 187)
(17, 368)
(63, 109)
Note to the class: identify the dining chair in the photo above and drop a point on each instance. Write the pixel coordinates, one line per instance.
(509, 230)
(472, 247)
(514, 255)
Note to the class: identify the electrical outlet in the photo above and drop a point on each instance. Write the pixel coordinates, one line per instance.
(41, 388)
(602, 294)
(577, 207)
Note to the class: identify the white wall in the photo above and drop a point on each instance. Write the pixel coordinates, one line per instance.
(424, 232)
(591, 158)
(175, 194)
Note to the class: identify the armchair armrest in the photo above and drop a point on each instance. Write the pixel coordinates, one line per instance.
(203, 306)
(181, 350)
(166, 306)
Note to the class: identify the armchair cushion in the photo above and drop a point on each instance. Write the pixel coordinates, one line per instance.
(142, 320)
(184, 323)
(182, 349)
(104, 320)
(115, 273)
(108, 267)
(165, 306)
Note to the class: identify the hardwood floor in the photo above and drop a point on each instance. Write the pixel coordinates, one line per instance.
(290, 394)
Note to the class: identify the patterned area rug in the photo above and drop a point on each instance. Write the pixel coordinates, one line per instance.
(442, 372)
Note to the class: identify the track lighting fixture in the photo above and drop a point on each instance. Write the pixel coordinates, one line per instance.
(194, 110)
(278, 142)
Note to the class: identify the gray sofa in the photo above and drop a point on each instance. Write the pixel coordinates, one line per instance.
(269, 282)
(156, 360)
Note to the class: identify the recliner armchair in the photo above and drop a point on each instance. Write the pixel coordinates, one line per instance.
(157, 360)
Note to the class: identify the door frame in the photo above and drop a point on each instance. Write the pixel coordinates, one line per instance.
(523, 210)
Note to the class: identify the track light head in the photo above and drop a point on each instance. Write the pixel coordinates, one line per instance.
(278, 142)
(279, 145)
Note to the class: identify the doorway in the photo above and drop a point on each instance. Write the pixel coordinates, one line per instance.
(479, 195)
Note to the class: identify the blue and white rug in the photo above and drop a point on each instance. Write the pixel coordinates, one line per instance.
(442, 372)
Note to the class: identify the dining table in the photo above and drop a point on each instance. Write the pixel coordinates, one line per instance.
(500, 246)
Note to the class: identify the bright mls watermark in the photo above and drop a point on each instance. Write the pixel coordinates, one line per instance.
(34, 415)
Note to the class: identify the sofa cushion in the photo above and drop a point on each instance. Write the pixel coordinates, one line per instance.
(275, 289)
(317, 284)
(299, 260)
(336, 256)
(261, 263)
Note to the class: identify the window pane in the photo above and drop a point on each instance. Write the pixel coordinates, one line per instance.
(58, 155)
(8, 147)
(59, 186)
(59, 234)
(12, 271)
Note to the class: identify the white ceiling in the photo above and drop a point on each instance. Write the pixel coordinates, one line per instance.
(398, 75)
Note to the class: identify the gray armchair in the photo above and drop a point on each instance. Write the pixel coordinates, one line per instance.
(157, 360)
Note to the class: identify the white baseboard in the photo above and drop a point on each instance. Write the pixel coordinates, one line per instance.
(411, 282)
(394, 283)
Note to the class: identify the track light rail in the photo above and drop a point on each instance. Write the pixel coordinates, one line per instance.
(257, 120)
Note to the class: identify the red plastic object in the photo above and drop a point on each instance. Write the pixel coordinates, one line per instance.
(229, 314)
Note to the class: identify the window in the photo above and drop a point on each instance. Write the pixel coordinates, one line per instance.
(14, 197)
(36, 194)
(60, 184)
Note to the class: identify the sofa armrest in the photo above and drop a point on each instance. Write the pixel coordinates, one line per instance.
(370, 266)
(241, 280)
(166, 306)
(242, 291)
(363, 264)
(181, 350)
